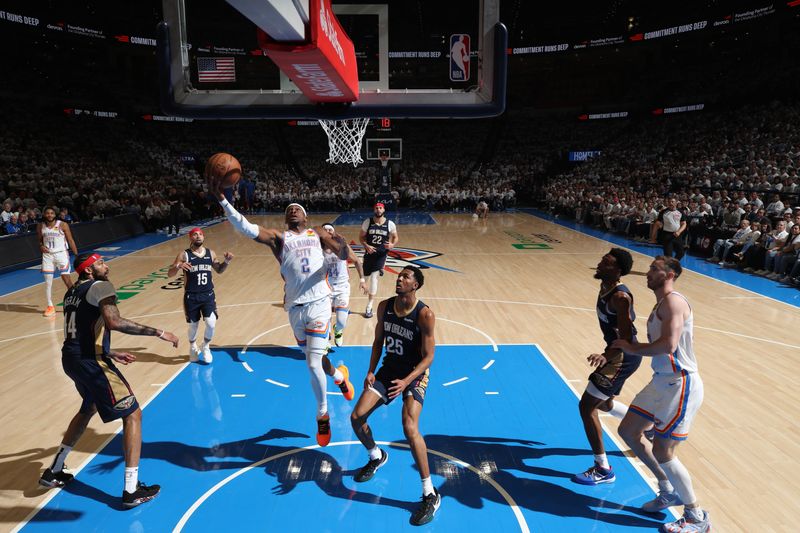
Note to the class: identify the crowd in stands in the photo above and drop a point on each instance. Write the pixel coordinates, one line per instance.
(92, 168)
(733, 176)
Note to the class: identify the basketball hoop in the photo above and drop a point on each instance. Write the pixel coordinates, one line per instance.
(344, 139)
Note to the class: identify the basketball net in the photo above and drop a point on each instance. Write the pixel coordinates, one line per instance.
(384, 160)
(344, 140)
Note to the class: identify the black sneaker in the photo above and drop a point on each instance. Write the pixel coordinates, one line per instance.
(428, 507)
(55, 479)
(143, 493)
(372, 466)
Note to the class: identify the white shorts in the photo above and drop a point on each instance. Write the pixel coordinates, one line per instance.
(671, 401)
(341, 296)
(311, 322)
(59, 260)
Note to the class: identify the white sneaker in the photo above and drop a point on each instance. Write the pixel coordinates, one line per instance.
(687, 525)
(193, 353)
(206, 355)
(661, 502)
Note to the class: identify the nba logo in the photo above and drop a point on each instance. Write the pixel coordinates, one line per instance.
(459, 57)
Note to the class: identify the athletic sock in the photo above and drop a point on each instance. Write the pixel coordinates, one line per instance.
(131, 478)
(602, 460)
(618, 410)
(374, 454)
(58, 460)
(427, 486)
(338, 377)
(680, 479)
(48, 289)
(665, 486)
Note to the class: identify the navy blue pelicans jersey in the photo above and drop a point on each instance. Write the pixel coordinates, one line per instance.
(85, 334)
(198, 279)
(608, 317)
(402, 339)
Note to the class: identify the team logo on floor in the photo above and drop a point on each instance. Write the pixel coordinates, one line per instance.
(399, 258)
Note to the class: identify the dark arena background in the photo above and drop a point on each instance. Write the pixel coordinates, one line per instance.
(509, 165)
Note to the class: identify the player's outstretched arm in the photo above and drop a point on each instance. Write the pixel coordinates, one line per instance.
(271, 237)
(220, 266)
(351, 256)
(114, 321)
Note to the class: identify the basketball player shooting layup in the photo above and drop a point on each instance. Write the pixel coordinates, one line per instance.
(53, 238)
(307, 293)
(378, 236)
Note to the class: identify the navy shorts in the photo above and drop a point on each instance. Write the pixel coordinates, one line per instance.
(102, 386)
(383, 382)
(610, 377)
(375, 262)
(197, 304)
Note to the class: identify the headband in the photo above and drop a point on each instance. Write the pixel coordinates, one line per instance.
(196, 230)
(380, 204)
(89, 261)
(326, 226)
(303, 209)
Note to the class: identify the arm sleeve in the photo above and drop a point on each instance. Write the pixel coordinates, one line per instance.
(99, 291)
(365, 225)
(241, 224)
(392, 227)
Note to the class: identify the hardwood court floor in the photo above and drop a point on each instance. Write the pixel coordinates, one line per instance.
(742, 449)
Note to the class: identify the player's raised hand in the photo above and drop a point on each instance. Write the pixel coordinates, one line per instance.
(214, 185)
(228, 257)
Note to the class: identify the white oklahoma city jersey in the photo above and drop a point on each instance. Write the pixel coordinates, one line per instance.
(53, 238)
(303, 268)
(338, 274)
(683, 358)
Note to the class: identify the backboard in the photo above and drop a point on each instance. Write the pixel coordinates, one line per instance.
(442, 59)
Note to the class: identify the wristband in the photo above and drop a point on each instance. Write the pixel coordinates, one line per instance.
(362, 280)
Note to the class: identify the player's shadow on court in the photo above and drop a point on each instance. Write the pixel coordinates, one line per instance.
(262, 350)
(149, 357)
(21, 308)
(506, 459)
(16, 514)
(291, 470)
(23, 470)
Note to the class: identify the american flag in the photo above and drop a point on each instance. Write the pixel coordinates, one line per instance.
(212, 69)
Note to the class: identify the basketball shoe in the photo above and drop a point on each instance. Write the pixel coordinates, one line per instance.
(337, 336)
(50, 311)
(143, 493)
(368, 312)
(345, 386)
(685, 524)
(661, 502)
(596, 475)
(194, 353)
(324, 430)
(368, 470)
(427, 509)
(205, 354)
(55, 479)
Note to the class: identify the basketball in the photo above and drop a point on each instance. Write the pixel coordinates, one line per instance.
(224, 167)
